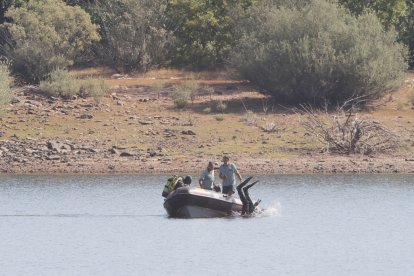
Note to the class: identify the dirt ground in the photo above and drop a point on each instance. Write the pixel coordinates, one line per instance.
(137, 129)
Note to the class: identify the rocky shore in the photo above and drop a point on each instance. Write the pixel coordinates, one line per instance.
(135, 130)
(27, 156)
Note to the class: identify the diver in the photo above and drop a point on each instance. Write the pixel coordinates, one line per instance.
(248, 206)
(175, 182)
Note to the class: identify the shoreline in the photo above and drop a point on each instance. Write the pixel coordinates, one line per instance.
(103, 162)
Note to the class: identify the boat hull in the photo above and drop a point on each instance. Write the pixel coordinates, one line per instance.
(188, 202)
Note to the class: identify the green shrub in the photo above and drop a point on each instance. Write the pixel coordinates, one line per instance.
(221, 107)
(180, 97)
(60, 84)
(184, 92)
(318, 54)
(219, 117)
(93, 88)
(5, 85)
(46, 34)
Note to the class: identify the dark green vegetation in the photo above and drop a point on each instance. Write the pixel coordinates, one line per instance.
(319, 53)
(314, 51)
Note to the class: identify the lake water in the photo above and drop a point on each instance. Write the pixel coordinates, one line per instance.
(116, 225)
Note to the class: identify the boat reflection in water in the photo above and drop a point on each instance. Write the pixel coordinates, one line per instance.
(186, 202)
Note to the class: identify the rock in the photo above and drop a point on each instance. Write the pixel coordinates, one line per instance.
(146, 122)
(15, 100)
(188, 132)
(53, 157)
(85, 116)
(58, 147)
(152, 152)
(114, 150)
(126, 154)
(2, 133)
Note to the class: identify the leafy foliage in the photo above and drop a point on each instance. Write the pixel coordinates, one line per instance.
(5, 84)
(184, 92)
(318, 54)
(398, 14)
(221, 107)
(44, 37)
(60, 84)
(389, 12)
(204, 31)
(133, 35)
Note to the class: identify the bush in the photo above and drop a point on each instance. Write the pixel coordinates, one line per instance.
(60, 84)
(219, 117)
(93, 88)
(249, 118)
(180, 98)
(184, 92)
(221, 107)
(5, 84)
(318, 54)
(46, 34)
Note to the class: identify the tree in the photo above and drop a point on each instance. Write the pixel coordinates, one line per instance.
(46, 35)
(390, 12)
(398, 14)
(204, 31)
(133, 35)
(7, 4)
(318, 54)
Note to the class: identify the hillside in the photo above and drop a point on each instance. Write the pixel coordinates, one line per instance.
(137, 129)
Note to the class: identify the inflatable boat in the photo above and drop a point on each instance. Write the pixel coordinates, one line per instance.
(186, 202)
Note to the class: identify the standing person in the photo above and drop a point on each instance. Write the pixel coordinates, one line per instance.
(228, 171)
(206, 180)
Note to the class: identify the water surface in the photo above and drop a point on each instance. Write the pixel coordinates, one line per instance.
(116, 225)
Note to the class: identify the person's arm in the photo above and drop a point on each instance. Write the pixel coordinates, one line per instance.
(201, 179)
(221, 175)
(237, 173)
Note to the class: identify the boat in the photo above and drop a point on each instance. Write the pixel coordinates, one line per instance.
(187, 202)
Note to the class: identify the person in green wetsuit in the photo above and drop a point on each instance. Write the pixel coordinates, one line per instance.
(175, 182)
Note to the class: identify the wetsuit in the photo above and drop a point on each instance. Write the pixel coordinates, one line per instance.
(248, 205)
